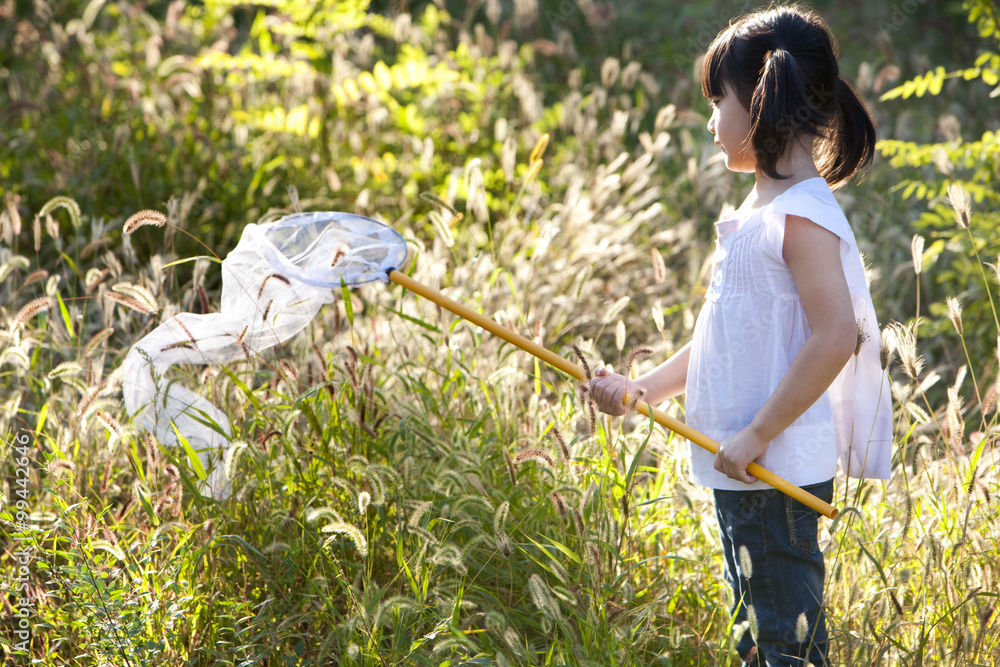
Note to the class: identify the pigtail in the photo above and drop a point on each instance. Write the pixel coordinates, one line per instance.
(850, 143)
(781, 108)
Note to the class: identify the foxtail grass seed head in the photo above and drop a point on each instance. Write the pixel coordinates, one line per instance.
(532, 172)
(746, 564)
(631, 74)
(659, 267)
(801, 628)
(143, 218)
(137, 292)
(129, 302)
(589, 269)
(317, 513)
(508, 158)
(862, 337)
(165, 498)
(232, 457)
(419, 509)
(106, 478)
(152, 450)
(16, 356)
(917, 251)
(289, 370)
(60, 466)
(620, 335)
(65, 369)
(583, 389)
(960, 202)
(203, 301)
(615, 310)
(954, 424)
(739, 630)
(990, 402)
(67, 203)
(32, 309)
(339, 255)
(886, 348)
(11, 201)
(559, 502)
(583, 362)
(351, 531)
(578, 521)
(94, 277)
(83, 407)
(97, 340)
(34, 277)
(114, 427)
(564, 452)
(500, 517)
(633, 355)
(539, 150)
(638, 396)
(955, 313)
(535, 455)
(906, 348)
(509, 463)
(610, 69)
(364, 499)
(752, 618)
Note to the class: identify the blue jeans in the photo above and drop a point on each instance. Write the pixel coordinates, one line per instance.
(779, 574)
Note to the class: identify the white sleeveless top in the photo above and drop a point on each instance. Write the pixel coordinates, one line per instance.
(750, 330)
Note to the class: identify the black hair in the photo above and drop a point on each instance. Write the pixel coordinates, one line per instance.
(781, 63)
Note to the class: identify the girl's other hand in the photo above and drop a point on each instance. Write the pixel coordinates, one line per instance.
(609, 390)
(739, 451)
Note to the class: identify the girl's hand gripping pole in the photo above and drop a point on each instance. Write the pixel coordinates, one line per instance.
(568, 367)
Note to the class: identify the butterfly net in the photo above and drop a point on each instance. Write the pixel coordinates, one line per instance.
(273, 284)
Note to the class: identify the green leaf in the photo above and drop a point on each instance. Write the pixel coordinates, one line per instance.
(148, 508)
(69, 262)
(192, 455)
(193, 259)
(348, 306)
(562, 547)
(414, 320)
(439, 628)
(242, 387)
(65, 315)
(974, 462)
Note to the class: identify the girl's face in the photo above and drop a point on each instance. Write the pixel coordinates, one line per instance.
(730, 123)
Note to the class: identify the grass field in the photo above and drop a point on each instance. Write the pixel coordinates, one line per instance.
(407, 490)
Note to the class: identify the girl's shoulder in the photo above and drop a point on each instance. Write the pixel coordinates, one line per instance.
(811, 199)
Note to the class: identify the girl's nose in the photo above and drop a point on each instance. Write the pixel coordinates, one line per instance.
(711, 123)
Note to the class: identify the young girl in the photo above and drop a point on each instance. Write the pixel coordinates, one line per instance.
(784, 365)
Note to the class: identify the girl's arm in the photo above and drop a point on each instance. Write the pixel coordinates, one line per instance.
(813, 256)
(665, 381)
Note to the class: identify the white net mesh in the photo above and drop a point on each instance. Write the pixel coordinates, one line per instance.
(273, 284)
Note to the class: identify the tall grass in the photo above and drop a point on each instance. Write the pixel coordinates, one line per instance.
(409, 490)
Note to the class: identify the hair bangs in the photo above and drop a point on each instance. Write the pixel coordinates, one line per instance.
(717, 66)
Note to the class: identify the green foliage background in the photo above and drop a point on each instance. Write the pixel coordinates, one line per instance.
(401, 493)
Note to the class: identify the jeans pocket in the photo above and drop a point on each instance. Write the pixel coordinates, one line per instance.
(802, 526)
(802, 522)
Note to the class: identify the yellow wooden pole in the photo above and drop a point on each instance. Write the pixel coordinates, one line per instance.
(572, 369)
